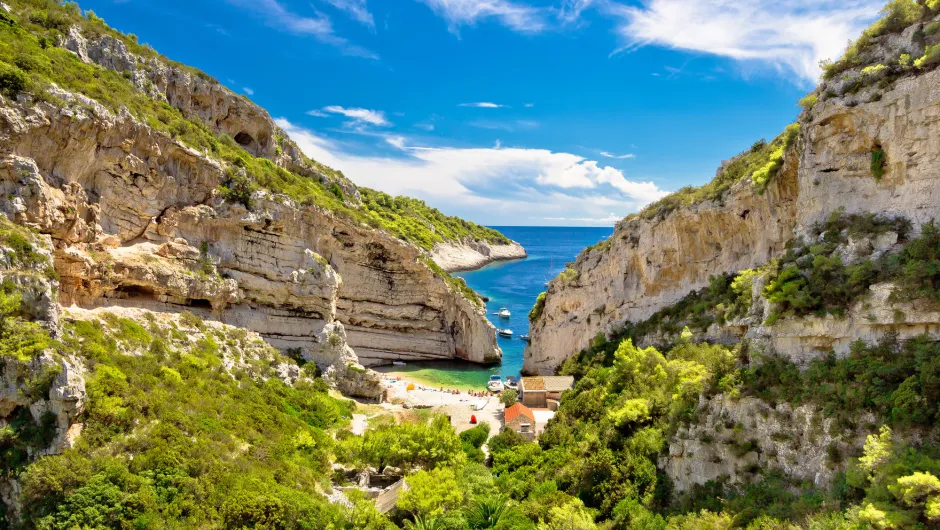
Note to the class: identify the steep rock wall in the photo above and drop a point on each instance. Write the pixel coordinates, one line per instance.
(651, 264)
(135, 221)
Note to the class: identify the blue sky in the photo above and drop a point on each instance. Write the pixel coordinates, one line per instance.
(512, 112)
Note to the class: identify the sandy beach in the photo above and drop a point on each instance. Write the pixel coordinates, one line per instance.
(458, 406)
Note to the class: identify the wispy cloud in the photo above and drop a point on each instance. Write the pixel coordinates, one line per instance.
(483, 105)
(505, 182)
(248, 91)
(317, 113)
(792, 35)
(319, 27)
(356, 9)
(509, 126)
(358, 116)
(619, 157)
(517, 16)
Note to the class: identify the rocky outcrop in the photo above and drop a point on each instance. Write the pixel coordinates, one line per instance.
(136, 221)
(202, 98)
(737, 439)
(653, 263)
(473, 254)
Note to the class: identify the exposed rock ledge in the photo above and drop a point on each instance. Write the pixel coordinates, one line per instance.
(473, 255)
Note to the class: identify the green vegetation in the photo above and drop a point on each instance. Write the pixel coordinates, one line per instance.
(508, 397)
(896, 15)
(410, 218)
(20, 340)
(900, 381)
(760, 163)
(210, 447)
(761, 178)
(19, 244)
(539, 306)
(809, 101)
(812, 279)
(457, 285)
(878, 163)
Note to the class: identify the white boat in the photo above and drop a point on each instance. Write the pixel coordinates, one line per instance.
(495, 384)
(524, 337)
(398, 363)
(503, 313)
(504, 332)
(512, 383)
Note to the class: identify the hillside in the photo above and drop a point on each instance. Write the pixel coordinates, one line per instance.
(765, 347)
(186, 303)
(163, 189)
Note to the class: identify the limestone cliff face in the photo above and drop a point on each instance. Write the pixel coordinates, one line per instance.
(136, 221)
(472, 254)
(652, 263)
(737, 438)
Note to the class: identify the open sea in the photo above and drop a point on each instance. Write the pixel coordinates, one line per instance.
(515, 286)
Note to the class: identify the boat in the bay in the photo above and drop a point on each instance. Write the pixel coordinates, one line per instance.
(495, 384)
(504, 332)
(503, 313)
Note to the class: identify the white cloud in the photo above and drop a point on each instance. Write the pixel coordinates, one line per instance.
(792, 35)
(482, 105)
(359, 116)
(356, 9)
(320, 27)
(396, 141)
(571, 10)
(248, 91)
(493, 184)
(517, 16)
(317, 113)
(620, 157)
(529, 105)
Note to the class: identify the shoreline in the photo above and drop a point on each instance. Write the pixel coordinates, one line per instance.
(419, 378)
(475, 255)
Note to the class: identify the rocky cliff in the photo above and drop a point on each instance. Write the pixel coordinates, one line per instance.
(469, 255)
(654, 260)
(169, 198)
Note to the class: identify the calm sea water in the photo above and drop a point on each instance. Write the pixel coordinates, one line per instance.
(515, 286)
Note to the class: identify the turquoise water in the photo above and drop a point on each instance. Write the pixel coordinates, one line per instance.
(515, 286)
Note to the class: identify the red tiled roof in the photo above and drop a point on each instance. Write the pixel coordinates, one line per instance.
(514, 411)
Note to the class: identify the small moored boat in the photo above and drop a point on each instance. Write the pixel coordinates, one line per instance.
(512, 382)
(524, 337)
(495, 384)
(504, 332)
(398, 363)
(503, 313)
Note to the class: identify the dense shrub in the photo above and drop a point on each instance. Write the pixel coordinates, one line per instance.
(211, 448)
(812, 279)
(537, 309)
(898, 380)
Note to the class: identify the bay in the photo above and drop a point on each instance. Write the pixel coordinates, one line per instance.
(514, 285)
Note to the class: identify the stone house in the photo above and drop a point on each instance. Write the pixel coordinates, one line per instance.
(521, 419)
(544, 392)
